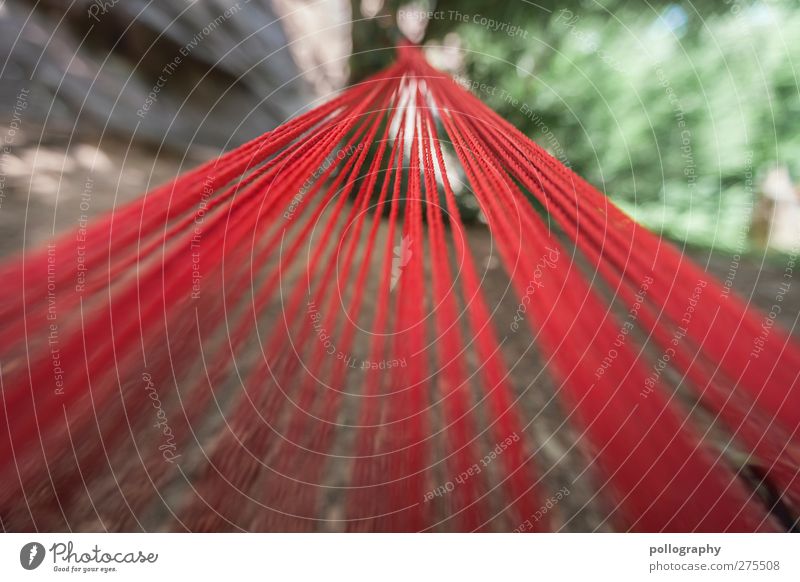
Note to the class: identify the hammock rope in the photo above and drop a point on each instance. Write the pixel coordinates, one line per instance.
(191, 361)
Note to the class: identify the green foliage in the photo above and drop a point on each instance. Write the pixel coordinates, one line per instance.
(674, 109)
(674, 114)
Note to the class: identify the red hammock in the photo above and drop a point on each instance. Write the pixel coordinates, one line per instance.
(224, 354)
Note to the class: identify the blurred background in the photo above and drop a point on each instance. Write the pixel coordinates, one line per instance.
(684, 113)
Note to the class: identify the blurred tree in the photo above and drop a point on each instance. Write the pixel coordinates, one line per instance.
(674, 108)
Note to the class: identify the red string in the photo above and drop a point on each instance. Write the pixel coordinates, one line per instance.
(206, 357)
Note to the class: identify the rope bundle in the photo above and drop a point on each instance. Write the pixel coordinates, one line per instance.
(296, 335)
